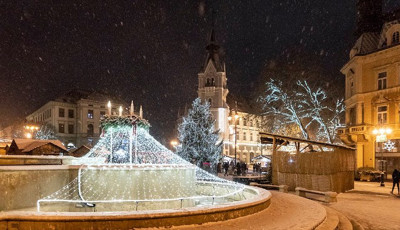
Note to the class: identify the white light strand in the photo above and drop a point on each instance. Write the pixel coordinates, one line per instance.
(107, 176)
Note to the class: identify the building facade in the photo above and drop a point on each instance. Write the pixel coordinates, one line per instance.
(232, 121)
(372, 94)
(75, 116)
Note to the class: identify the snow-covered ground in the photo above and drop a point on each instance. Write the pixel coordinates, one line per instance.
(371, 206)
(286, 211)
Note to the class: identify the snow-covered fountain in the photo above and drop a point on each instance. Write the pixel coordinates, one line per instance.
(128, 170)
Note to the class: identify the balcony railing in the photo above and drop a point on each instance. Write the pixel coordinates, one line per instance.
(356, 129)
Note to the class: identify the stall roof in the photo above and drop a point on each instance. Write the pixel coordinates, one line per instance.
(267, 138)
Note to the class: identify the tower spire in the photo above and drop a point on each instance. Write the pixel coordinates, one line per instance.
(213, 48)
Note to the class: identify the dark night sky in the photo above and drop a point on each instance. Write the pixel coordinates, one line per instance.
(151, 51)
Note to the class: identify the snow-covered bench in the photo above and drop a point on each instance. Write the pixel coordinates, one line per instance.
(329, 196)
(281, 188)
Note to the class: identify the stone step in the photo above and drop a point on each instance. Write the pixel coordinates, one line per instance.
(335, 220)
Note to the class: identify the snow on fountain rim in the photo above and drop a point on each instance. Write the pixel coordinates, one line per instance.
(262, 196)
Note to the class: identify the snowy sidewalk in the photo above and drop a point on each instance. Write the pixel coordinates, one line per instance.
(286, 211)
(370, 205)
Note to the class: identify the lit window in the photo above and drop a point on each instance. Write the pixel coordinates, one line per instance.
(382, 114)
(90, 114)
(382, 81)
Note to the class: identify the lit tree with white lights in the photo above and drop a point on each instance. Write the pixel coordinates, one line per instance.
(198, 137)
(285, 105)
(326, 114)
(46, 132)
(303, 105)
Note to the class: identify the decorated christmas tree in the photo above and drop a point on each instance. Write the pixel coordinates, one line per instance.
(198, 137)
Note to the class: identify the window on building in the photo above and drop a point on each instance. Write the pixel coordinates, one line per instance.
(352, 92)
(210, 101)
(208, 82)
(61, 112)
(251, 136)
(70, 128)
(212, 82)
(90, 130)
(362, 113)
(382, 114)
(61, 128)
(398, 112)
(102, 113)
(382, 81)
(90, 114)
(70, 113)
(395, 37)
(352, 115)
(244, 122)
(244, 136)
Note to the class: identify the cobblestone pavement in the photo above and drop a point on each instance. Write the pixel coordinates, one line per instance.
(371, 206)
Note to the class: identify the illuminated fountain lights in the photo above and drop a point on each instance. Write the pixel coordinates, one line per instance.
(129, 170)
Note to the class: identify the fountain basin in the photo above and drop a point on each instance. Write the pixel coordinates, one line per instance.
(139, 219)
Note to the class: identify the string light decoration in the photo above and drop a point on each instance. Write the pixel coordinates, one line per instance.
(129, 170)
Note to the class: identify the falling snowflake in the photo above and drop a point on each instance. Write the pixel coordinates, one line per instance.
(389, 145)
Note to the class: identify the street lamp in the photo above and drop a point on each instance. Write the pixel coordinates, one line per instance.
(174, 144)
(235, 117)
(30, 129)
(109, 108)
(380, 137)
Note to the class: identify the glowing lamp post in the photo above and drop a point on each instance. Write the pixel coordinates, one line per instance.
(235, 117)
(30, 129)
(174, 144)
(381, 136)
(120, 111)
(109, 108)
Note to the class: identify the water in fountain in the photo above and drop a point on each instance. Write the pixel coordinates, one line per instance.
(129, 170)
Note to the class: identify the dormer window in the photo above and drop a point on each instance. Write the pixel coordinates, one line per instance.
(395, 37)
